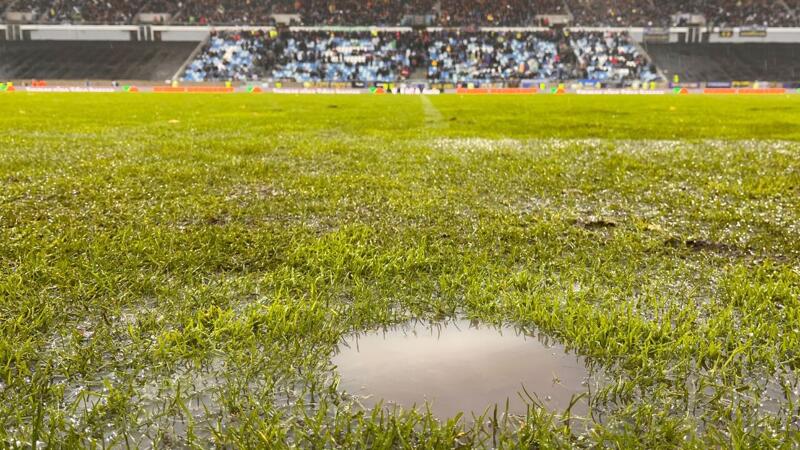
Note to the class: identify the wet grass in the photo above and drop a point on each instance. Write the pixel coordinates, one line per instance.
(178, 271)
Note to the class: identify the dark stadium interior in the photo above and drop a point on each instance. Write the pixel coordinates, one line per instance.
(728, 62)
(77, 60)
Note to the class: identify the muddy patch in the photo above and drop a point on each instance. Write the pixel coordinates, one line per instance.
(595, 223)
(702, 245)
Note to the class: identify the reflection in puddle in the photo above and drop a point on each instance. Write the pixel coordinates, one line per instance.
(458, 367)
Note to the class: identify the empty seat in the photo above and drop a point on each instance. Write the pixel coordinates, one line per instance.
(728, 62)
(78, 60)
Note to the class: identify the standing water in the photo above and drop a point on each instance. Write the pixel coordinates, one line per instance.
(458, 367)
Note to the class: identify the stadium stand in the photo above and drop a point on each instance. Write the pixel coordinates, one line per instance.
(307, 56)
(372, 12)
(349, 57)
(163, 11)
(617, 13)
(234, 57)
(445, 56)
(663, 13)
(79, 60)
(226, 11)
(448, 13)
(746, 12)
(794, 9)
(61, 11)
(728, 62)
(607, 57)
(487, 12)
(456, 52)
(360, 12)
(468, 57)
(312, 12)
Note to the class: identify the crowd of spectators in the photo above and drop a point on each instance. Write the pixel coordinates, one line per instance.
(662, 13)
(445, 56)
(164, 7)
(344, 56)
(309, 56)
(34, 6)
(360, 12)
(308, 12)
(617, 13)
(467, 57)
(93, 11)
(609, 57)
(228, 58)
(496, 12)
(445, 13)
(480, 12)
(4, 4)
(745, 12)
(239, 12)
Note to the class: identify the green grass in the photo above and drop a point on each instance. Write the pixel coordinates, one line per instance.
(177, 270)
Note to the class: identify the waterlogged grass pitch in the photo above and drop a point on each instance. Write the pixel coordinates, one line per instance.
(178, 270)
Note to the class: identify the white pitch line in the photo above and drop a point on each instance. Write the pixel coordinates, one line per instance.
(433, 118)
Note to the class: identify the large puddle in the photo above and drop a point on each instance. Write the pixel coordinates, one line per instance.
(458, 367)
